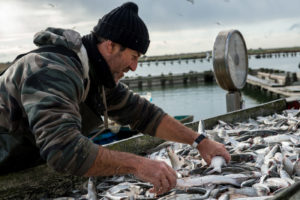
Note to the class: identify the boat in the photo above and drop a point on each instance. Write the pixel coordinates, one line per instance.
(184, 118)
(43, 182)
(118, 133)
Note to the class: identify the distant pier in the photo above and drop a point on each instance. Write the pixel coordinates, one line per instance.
(253, 53)
(168, 80)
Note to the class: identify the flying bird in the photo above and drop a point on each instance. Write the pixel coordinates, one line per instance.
(294, 26)
(51, 5)
(191, 1)
(219, 23)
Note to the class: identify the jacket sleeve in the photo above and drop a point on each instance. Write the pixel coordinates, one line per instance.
(51, 94)
(126, 107)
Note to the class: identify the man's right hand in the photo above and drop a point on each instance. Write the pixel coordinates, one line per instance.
(160, 174)
(109, 162)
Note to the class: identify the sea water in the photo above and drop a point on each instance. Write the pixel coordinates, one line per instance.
(204, 100)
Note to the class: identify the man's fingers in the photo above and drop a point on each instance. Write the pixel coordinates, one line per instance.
(227, 156)
(164, 186)
(173, 172)
(207, 159)
(163, 177)
(172, 179)
(157, 187)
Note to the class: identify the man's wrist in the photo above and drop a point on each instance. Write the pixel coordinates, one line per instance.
(198, 140)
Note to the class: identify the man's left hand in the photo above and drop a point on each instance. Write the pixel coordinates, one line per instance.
(209, 149)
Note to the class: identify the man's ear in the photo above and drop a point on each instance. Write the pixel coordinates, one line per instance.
(109, 46)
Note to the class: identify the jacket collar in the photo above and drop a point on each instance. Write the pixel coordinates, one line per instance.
(100, 73)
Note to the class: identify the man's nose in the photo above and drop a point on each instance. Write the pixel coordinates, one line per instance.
(133, 65)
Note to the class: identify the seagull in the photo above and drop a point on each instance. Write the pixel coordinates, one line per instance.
(218, 23)
(294, 26)
(51, 5)
(191, 1)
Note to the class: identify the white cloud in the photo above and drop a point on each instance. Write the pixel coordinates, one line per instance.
(175, 26)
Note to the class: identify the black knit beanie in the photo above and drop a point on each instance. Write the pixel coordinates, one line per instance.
(123, 25)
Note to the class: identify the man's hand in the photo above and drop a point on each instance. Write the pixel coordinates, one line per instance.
(209, 149)
(109, 162)
(161, 175)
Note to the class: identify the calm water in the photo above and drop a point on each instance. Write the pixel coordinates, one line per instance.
(202, 100)
(287, 63)
(205, 100)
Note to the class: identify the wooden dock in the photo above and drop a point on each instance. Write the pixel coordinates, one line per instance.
(277, 84)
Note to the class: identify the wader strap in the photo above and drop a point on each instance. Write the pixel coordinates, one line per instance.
(105, 111)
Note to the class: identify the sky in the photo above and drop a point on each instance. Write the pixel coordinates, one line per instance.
(175, 26)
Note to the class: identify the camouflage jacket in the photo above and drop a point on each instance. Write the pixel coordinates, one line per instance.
(40, 95)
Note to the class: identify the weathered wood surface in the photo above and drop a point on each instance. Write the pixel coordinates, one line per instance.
(244, 114)
(42, 182)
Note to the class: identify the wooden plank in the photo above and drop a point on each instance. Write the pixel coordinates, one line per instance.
(272, 88)
(262, 82)
(244, 114)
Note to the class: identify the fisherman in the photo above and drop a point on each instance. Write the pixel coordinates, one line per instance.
(47, 98)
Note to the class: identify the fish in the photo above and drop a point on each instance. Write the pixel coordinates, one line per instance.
(264, 161)
(224, 196)
(248, 183)
(249, 191)
(176, 161)
(288, 165)
(233, 179)
(92, 193)
(296, 168)
(255, 198)
(216, 163)
(277, 138)
(204, 180)
(271, 153)
(243, 157)
(277, 183)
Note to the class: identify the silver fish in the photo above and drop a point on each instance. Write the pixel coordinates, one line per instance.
(288, 165)
(249, 191)
(248, 183)
(224, 196)
(254, 198)
(233, 179)
(277, 182)
(296, 168)
(271, 153)
(277, 138)
(176, 161)
(216, 163)
(204, 180)
(92, 194)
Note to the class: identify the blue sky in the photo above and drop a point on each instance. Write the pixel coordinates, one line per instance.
(175, 26)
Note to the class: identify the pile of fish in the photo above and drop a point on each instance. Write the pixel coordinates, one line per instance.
(264, 161)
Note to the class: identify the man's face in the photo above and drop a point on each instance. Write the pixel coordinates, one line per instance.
(121, 61)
